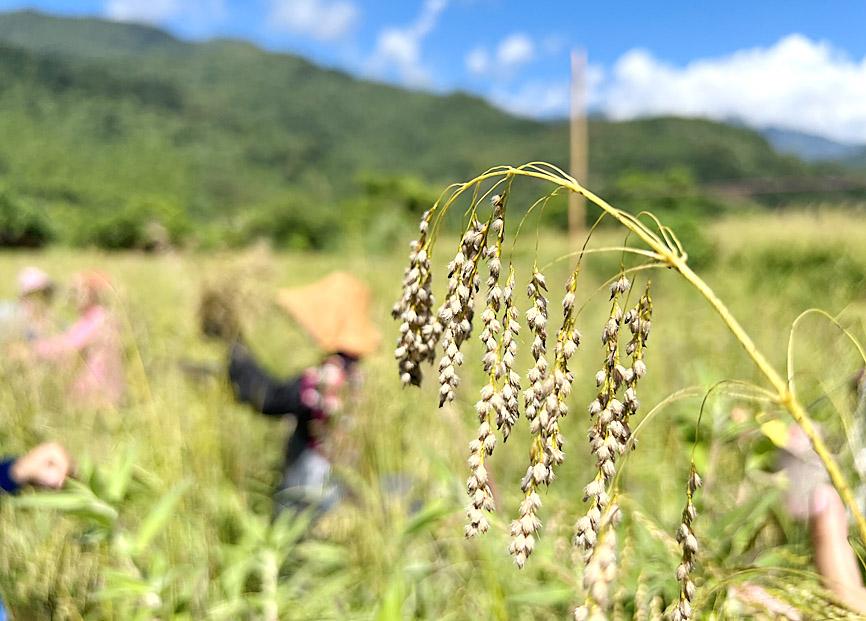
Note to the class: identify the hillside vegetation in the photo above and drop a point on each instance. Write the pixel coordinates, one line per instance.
(101, 117)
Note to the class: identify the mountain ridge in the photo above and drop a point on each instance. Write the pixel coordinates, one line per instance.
(812, 147)
(97, 111)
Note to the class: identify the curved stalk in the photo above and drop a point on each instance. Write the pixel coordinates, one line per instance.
(579, 253)
(677, 261)
(832, 320)
(785, 397)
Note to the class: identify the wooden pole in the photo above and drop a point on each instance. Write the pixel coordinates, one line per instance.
(579, 146)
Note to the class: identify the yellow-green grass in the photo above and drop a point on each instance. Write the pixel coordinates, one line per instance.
(387, 555)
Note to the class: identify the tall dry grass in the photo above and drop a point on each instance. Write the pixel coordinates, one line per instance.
(396, 549)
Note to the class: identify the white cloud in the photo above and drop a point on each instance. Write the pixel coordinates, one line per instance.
(478, 61)
(398, 50)
(544, 98)
(535, 98)
(148, 11)
(797, 83)
(513, 52)
(195, 13)
(320, 19)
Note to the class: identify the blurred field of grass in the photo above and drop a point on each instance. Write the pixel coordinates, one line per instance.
(768, 268)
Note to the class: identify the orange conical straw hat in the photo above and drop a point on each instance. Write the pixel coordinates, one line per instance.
(334, 311)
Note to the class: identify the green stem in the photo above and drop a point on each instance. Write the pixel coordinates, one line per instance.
(270, 577)
(784, 396)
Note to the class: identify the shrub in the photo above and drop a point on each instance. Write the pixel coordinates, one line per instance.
(22, 224)
(144, 224)
(293, 223)
(664, 194)
(803, 268)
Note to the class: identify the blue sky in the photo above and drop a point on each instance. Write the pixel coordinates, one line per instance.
(793, 64)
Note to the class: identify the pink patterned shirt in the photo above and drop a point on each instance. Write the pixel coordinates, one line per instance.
(95, 340)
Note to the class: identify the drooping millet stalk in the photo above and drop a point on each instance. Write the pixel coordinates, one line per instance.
(419, 330)
(535, 398)
(539, 471)
(546, 398)
(689, 545)
(478, 483)
(567, 342)
(639, 321)
(600, 570)
(545, 404)
(457, 312)
(525, 528)
(641, 600)
(509, 411)
(607, 413)
(491, 401)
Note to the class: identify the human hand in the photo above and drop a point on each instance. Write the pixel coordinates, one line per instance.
(46, 465)
(834, 557)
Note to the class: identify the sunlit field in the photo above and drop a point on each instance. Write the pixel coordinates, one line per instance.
(171, 514)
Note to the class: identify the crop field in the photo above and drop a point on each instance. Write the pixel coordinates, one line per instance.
(170, 515)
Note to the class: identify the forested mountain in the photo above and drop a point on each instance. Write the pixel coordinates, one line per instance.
(95, 114)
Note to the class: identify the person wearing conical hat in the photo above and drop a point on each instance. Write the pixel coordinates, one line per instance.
(333, 312)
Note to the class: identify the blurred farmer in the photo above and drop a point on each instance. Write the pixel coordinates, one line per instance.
(90, 349)
(29, 317)
(810, 496)
(46, 465)
(834, 558)
(333, 311)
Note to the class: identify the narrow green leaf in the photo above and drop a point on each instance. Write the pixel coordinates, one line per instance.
(121, 477)
(391, 605)
(427, 517)
(79, 505)
(152, 524)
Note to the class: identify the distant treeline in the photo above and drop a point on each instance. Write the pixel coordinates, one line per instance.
(120, 136)
(381, 213)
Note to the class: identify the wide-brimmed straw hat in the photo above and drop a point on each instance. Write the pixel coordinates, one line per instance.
(334, 311)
